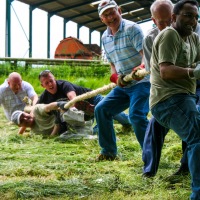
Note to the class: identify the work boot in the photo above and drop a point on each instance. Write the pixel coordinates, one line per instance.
(126, 128)
(183, 170)
(102, 157)
(148, 175)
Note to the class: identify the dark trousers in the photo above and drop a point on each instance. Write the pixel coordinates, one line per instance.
(152, 147)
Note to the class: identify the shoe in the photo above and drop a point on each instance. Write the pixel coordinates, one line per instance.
(183, 170)
(102, 157)
(148, 175)
(86, 107)
(126, 128)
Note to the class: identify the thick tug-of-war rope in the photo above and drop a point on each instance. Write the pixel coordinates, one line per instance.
(89, 94)
(28, 103)
(140, 73)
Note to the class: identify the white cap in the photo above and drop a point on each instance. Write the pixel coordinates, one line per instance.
(106, 4)
(15, 117)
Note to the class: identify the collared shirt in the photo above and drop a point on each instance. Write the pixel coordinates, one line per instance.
(11, 101)
(122, 49)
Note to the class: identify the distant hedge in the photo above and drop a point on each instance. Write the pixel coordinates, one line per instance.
(61, 71)
(87, 76)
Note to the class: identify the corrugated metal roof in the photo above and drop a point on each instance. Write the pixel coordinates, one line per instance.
(84, 13)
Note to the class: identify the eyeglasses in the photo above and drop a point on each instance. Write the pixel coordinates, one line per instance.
(44, 73)
(190, 16)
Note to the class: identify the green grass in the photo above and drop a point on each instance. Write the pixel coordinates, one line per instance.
(35, 168)
(44, 169)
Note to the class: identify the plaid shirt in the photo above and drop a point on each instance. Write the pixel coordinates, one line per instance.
(11, 101)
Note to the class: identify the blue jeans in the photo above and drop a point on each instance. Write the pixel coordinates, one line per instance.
(136, 98)
(180, 114)
(122, 117)
(153, 143)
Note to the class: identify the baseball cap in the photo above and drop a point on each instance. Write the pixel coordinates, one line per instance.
(15, 117)
(106, 4)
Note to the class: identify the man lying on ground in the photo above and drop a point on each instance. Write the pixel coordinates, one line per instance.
(42, 119)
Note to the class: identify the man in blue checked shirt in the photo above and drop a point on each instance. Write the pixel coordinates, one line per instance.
(122, 42)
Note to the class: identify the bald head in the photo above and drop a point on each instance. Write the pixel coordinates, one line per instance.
(14, 75)
(160, 4)
(161, 11)
(15, 82)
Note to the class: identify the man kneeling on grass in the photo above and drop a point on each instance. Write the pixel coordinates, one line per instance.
(42, 119)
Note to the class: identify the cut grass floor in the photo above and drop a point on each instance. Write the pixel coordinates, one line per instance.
(35, 168)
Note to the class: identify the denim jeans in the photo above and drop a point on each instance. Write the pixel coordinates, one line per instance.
(180, 114)
(122, 117)
(153, 143)
(136, 98)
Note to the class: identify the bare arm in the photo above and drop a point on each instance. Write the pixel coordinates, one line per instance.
(168, 71)
(71, 95)
(112, 68)
(142, 54)
(51, 106)
(34, 99)
(21, 130)
(55, 131)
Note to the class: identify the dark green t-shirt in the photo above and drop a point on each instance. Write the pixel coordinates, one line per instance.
(169, 47)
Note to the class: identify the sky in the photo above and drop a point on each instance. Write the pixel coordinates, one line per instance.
(20, 31)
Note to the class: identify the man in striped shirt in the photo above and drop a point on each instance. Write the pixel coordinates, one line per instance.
(122, 42)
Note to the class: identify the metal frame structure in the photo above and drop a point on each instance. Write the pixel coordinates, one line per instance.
(82, 12)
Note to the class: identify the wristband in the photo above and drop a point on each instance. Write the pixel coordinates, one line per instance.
(142, 66)
(114, 78)
(188, 73)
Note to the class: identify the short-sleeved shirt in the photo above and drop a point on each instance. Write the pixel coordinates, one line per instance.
(11, 101)
(63, 87)
(122, 49)
(44, 122)
(197, 30)
(147, 46)
(169, 47)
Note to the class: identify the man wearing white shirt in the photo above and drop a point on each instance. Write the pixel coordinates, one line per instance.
(12, 93)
